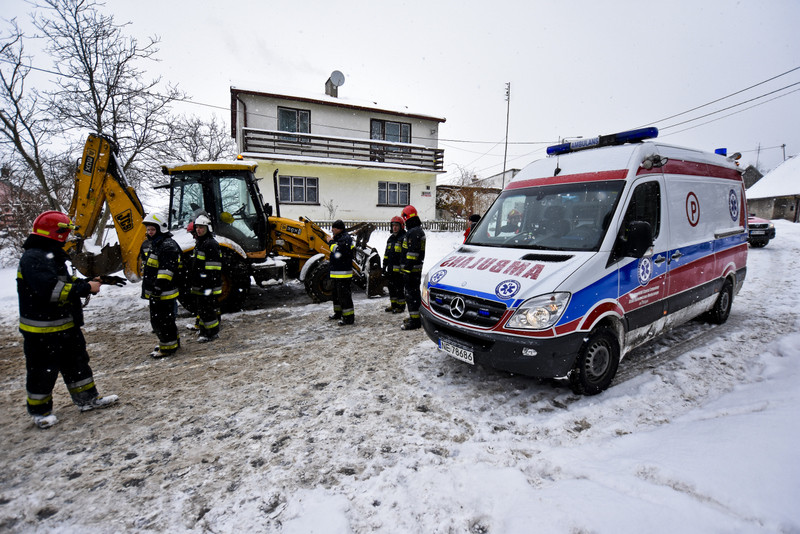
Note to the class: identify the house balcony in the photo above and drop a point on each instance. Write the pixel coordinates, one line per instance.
(345, 150)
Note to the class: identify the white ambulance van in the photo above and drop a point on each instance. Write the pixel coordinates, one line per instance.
(588, 253)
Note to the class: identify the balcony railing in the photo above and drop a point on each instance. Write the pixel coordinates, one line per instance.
(347, 148)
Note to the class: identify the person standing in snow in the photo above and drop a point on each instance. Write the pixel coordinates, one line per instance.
(50, 319)
(342, 274)
(206, 279)
(392, 261)
(413, 256)
(162, 261)
(471, 222)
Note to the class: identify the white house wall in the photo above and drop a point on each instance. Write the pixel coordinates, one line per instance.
(352, 190)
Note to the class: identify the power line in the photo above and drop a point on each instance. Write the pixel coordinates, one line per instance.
(720, 99)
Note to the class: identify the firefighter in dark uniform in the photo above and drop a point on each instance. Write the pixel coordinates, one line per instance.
(342, 274)
(50, 319)
(162, 262)
(392, 263)
(206, 279)
(413, 256)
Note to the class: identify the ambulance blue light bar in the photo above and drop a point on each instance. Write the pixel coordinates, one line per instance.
(631, 136)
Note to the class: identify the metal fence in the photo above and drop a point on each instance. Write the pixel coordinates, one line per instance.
(433, 226)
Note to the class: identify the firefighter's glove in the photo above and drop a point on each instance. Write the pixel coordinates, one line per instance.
(155, 292)
(113, 280)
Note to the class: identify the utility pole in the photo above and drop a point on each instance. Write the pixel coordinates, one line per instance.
(783, 146)
(508, 114)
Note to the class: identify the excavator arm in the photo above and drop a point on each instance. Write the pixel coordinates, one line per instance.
(101, 181)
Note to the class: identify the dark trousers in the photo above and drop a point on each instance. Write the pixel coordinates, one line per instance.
(162, 319)
(397, 294)
(207, 314)
(48, 354)
(343, 298)
(412, 283)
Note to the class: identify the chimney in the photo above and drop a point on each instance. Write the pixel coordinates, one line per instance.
(332, 85)
(330, 89)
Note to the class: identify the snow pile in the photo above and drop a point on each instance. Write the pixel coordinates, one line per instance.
(291, 424)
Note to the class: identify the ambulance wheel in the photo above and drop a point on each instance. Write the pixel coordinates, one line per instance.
(318, 282)
(597, 363)
(722, 308)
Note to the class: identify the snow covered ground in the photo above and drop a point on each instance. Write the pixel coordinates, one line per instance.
(291, 424)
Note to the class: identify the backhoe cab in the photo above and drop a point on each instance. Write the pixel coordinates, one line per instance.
(255, 244)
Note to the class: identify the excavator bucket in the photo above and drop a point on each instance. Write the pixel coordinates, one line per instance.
(107, 261)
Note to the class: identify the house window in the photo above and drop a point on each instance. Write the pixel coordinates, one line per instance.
(396, 132)
(298, 190)
(294, 120)
(393, 193)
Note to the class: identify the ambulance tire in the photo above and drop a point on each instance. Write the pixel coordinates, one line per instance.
(596, 364)
(722, 307)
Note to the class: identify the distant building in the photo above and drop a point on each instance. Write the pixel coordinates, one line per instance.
(777, 194)
(338, 158)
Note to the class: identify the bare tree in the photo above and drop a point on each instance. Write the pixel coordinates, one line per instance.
(25, 128)
(331, 206)
(195, 139)
(100, 86)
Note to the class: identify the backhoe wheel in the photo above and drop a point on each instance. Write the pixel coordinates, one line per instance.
(318, 282)
(597, 363)
(235, 282)
(722, 307)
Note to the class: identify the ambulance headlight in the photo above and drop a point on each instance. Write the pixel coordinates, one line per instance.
(539, 313)
(425, 292)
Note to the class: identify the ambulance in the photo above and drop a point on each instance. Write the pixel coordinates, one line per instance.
(588, 253)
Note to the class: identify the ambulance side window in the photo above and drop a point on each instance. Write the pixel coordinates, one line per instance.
(645, 206)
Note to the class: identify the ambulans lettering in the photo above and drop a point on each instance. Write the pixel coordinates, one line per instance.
(519, 268)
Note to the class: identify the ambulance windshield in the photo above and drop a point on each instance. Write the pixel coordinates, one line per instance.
(550, 217)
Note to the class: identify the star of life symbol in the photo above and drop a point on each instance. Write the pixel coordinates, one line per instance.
(645, 271)
(733, 205)
(438, 275)
(507, 289)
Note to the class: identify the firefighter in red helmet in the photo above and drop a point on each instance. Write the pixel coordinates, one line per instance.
(413, 250)
(392, 265)
(50, 319)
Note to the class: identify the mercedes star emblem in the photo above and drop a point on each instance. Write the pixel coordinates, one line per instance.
(457, 307)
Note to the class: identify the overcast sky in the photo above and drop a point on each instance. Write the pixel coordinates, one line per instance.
(579, 68)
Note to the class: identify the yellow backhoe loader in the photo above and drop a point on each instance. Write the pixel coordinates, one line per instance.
(255, 245)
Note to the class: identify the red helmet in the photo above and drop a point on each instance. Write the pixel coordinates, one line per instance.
(53, 225)
(190, 227)
(397, 220)
(408, 212)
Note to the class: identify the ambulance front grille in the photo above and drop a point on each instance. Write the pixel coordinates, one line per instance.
(476, 311)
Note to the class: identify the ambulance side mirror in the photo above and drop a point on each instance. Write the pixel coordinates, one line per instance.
(632, 242)
(639, 239)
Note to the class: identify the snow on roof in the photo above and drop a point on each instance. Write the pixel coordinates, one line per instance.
(323, 98)
(782, 181)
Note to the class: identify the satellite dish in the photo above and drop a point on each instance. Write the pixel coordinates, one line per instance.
(337, 78)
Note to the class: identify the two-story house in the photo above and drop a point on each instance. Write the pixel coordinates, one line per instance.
(337, 158)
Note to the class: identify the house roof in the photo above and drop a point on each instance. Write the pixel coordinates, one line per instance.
(322, 98)
(782, 181)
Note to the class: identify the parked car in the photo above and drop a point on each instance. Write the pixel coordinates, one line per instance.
(761, 231)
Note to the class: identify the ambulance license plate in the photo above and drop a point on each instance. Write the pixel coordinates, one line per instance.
(465, 355)
(758, 232)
